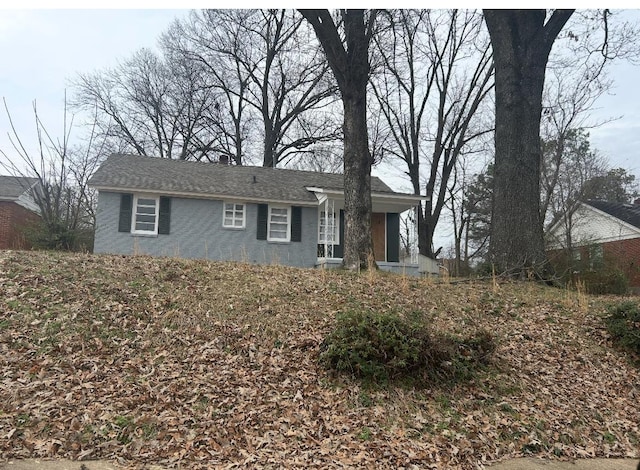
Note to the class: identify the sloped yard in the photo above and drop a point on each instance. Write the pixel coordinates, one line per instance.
(202, 365)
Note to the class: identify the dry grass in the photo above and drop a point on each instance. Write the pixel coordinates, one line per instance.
(200, 364)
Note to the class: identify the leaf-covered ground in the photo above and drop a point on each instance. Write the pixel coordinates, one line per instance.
(215, 365)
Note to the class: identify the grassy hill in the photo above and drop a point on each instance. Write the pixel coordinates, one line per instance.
(202, 364)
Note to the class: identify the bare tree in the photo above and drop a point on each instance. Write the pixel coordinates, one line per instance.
(348, 57)
(566, 107)
(65, 202)
(324, 158)
(436, 71)
(578, 165)
(262, 61)
(576, 77)
(522, 42)
(460, 219)
(196, 41)
(148, 105)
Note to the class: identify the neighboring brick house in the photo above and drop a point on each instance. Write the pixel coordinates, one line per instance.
(601, 232)
(163, 207)
(17, 210)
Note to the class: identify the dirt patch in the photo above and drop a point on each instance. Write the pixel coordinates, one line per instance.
(590, 464)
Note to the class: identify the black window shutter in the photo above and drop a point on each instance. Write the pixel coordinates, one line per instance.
(338, 250)
(296, 224)
(393, 237)
(263, 214)
(164, 215)
(126, 206)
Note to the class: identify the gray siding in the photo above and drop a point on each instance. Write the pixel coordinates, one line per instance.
(197, 232)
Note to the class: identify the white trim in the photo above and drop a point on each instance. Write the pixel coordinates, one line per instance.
(280, 240)
(380, 197)
(612, 218)
(336, 218)
(321, 198)
(216, 197)
(233, 219)
(584, 212)
(25, 200)
(134, 213)
(558, 224)
(394, 196)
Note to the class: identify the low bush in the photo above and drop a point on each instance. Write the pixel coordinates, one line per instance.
(385, 346)
(604, 281)
(623, 324)
(59, 237)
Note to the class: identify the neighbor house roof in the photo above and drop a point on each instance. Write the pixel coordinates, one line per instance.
(131, 172)
(12, 187)
(629, 213)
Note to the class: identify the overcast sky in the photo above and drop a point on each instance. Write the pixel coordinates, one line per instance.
(42, 49)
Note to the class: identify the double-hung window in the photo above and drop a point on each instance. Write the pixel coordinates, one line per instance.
(328, 229)
(279, 226)
(234, 215)
(145, 215)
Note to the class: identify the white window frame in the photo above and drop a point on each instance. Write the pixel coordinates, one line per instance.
(336, 229)
(134, 214)
(234, 215)
(269, 222)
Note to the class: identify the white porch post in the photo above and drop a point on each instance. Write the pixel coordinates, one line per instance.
(326, 243)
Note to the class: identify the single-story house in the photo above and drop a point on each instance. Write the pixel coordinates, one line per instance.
(603, 231)
(163, 207)
(17, 211)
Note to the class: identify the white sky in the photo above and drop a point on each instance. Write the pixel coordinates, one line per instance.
(42, 50)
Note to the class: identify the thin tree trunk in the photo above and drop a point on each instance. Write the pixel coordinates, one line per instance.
(424, 246)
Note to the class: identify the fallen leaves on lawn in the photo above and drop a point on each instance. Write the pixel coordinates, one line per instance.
(199, 364)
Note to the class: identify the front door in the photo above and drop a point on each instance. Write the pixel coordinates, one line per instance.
(378, 230)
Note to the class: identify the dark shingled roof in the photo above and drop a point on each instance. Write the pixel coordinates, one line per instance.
(629, 213)
(12, 187)
(132, 172)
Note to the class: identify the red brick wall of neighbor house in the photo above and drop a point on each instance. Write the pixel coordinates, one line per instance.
(13, 218)
(625, 254)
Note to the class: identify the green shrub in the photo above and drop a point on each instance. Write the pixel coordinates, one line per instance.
(381, 347)
(59, 237)
(623, 324)
(605, 281)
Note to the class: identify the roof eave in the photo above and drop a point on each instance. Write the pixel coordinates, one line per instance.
(612, 217)
(390, 202)
(223, 197)
(397, 196)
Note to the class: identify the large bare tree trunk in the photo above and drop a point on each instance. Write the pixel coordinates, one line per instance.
(358, 248)
(521, 45)
(349, 62)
